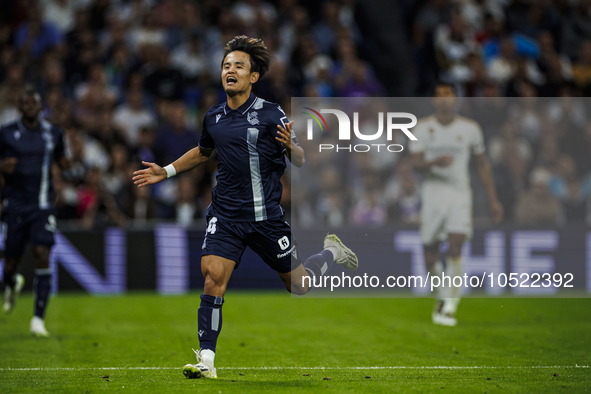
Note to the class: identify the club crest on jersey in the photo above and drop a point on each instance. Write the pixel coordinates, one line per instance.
(252, 118)
(217, 117)
(17, 135)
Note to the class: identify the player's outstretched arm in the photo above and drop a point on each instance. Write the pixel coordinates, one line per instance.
(485, 173)
(293, 151)
(154, 173)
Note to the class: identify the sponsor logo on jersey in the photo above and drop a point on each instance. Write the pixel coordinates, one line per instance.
(291, 250)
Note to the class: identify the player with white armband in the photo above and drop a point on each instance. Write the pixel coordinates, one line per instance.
(251, 137)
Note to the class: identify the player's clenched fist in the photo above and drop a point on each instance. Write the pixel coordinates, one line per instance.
(149, 176)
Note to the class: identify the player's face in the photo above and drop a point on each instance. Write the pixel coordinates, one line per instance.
(236, 75)
(444, 98)
(30, 106)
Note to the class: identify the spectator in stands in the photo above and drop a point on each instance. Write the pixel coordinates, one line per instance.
(582, 69)
(189, 58)
(162, 80)
(408, 204)
(141, 207)
(187, 209)
(60, 13)
(174, 138)
(96, 207)
(116, 177)
(148, 34)
(509, 142)
(453, 45)
(538, 206)
(132, 116)
(35, 36)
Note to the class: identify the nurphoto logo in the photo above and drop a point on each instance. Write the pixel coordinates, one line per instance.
(344, 131)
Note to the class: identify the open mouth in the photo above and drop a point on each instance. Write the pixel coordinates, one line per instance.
(230, 81)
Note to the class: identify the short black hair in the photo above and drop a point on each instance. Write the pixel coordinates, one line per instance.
(260, 56)
(443, 83)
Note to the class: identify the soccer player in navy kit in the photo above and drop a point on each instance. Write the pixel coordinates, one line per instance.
(251, 137)
(28, 149)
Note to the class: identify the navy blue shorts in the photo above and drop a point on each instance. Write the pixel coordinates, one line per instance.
(21, 226)
(270, 239)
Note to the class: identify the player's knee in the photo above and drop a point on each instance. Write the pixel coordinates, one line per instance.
(41, 256)
(214, 278)
(298, 289)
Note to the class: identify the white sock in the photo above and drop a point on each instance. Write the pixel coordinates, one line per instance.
(334, 251)
(454, 267)
(208, 356)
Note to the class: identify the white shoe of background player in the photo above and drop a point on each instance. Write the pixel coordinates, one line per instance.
(440, 318)
(11, 293)
(38, 327)
(444, 320)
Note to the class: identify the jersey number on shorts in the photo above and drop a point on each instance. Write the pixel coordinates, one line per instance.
(211, 226)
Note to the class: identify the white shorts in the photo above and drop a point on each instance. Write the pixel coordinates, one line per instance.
(439, 218)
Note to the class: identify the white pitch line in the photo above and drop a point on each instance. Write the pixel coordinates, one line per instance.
(294, 368)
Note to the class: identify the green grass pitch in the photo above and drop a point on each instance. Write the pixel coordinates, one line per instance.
(272, 343)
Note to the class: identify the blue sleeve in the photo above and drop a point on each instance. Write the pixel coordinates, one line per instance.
(206, 142)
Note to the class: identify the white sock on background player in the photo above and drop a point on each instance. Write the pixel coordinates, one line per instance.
(452, 299)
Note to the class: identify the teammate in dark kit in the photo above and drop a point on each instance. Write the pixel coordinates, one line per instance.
(251, 137)
(28, 149)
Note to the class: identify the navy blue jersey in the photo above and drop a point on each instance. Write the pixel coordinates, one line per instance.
(30, 185)
(250, 160)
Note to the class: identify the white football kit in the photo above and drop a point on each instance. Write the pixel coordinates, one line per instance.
(446, 194)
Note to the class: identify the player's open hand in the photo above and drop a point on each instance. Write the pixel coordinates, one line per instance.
(149, 176)
(443, 161)
(284, 135)
(496, 211)
(8, 165)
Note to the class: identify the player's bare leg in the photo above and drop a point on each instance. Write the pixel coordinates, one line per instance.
(454, 268)
(434, 266)
(217, 272)
(300, 279)
(294, 281)
(13, 283)
(41, 288)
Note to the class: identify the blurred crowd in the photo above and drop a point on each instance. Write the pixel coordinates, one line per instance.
(130, 80)
(538, 149)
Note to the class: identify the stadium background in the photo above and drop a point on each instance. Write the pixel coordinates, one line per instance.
(131, 81)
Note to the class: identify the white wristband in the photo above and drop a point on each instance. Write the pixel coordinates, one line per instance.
(170, 170)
